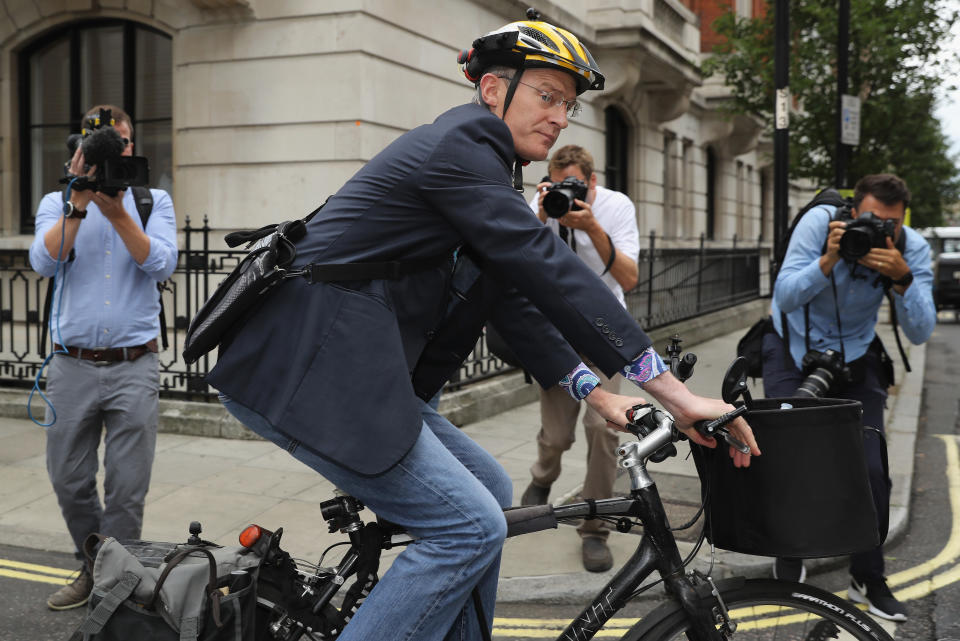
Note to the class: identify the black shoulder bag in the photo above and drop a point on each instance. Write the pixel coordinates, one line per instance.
(271, 251)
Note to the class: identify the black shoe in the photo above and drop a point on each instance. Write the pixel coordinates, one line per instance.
(878, 596)
(789, 570)
(596, 554)
(535, 495)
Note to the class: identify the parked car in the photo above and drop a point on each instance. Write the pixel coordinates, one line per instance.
(945, 250)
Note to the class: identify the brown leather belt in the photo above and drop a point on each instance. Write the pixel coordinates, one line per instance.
(112, 355)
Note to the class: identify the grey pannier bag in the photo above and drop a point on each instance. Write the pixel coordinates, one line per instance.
(162, 591)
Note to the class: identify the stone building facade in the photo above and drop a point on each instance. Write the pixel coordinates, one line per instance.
(253, 111)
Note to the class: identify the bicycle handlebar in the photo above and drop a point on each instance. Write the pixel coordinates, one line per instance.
(644, 419)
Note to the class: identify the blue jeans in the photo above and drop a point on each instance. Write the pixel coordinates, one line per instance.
(449, 494)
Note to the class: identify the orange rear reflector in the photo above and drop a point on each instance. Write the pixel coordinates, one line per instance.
(250, 535)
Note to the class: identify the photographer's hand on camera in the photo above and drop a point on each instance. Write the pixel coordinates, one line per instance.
(889, 262)
(541, 192)
(831, 256)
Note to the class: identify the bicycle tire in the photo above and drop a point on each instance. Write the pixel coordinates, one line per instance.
(765, 610)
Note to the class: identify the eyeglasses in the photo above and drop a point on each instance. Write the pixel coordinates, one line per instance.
(550, 99)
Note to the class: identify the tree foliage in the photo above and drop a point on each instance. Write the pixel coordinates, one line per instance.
(897, 62)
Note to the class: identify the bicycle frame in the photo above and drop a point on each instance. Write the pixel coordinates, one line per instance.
(657, 551)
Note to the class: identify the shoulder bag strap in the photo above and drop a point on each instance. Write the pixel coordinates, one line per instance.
(109, 604)
(211, 590)
(786, 338)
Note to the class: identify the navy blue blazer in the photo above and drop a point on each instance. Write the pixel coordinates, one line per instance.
(338, 366)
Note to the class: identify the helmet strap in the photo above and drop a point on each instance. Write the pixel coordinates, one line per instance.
(511, 89)
(507, 99)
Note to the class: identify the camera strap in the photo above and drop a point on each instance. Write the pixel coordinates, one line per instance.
(836, 307)
(613, 256)
(896, 327)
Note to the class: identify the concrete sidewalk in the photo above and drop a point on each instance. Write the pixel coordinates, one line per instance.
(226, 484)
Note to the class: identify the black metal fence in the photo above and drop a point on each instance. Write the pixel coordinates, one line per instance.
(674, 284)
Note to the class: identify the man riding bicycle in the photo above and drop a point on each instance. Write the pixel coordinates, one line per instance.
(338, 373)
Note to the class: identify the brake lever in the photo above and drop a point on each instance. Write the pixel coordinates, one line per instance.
(733, 441)
(717, 427)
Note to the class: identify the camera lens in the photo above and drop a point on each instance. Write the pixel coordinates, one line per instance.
(856, 243)
(817, 384)
(557, 202)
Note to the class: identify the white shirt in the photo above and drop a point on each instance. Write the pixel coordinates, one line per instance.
(617, 216)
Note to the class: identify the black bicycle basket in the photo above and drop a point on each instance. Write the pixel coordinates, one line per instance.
(808, 495)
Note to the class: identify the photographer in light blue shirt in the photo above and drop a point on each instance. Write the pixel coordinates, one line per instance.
(838, 267)
(104, 373)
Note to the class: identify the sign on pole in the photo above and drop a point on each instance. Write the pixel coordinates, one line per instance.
(850, 120)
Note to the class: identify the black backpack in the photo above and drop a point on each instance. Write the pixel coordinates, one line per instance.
(144, 201)
(750, 345)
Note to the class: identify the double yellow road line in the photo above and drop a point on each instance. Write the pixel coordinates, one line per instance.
(34, 572)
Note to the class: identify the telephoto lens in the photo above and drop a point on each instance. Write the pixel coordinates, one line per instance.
(822, 369)
(816, 384)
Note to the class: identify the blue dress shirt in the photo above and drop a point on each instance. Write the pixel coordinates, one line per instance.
(110, 300)
(859, 294)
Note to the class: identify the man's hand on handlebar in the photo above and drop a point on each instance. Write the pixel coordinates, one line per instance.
(687, 408)
(612, 407)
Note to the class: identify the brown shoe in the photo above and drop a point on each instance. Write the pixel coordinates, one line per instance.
(535, 495)
(596, 554)
(74, 594)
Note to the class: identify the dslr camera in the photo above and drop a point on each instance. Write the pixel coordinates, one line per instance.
(863, 233)
(560, 196)
(822, 371)
(103, 146)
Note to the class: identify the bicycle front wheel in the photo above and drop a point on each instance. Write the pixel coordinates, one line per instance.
(767, 610)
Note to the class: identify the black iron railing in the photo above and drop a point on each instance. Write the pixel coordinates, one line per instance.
(674, 284)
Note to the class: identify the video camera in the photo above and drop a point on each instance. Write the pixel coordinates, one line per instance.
(560, 196)
(103, 146)
(822, 371)
(863, 233)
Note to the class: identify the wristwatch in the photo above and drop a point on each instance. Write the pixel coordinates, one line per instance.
(70, 211)
(906, 280)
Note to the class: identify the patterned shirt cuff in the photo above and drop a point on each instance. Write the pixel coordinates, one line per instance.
(645, 367)
(580, 382)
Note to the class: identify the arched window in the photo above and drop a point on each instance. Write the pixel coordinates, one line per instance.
(617, 144)
(76, 67)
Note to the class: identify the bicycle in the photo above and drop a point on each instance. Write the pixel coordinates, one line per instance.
(296, 599)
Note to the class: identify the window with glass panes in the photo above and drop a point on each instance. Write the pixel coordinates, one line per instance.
(76, 67)
(617, 146)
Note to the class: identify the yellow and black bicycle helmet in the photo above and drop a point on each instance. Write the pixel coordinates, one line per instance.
(529, 44)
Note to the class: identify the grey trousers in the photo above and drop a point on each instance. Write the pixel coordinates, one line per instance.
(558, 427)
(122, 400)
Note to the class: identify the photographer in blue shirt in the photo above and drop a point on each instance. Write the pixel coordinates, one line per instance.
(838, 266)
(104, 374)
